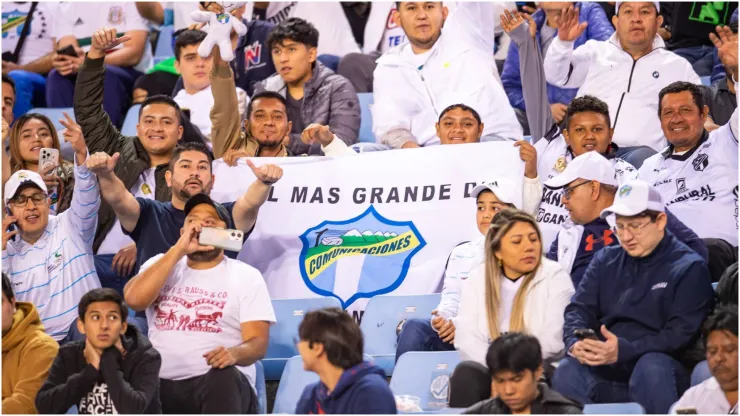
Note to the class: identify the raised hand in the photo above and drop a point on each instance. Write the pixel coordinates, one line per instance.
(512, 20)
(73, 135)
(528, 154)
(231, 156)
(317, 133)
(101, 162)
(726, 43)
(570, 29)
(105, 39)
(268, 174)
(188, 242)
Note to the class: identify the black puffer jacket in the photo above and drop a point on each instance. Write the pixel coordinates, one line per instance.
(549, 402)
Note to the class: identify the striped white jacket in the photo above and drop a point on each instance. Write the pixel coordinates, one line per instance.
(58, 269)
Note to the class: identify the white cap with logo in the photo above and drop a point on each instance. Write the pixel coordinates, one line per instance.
(504, 190)
(635, 197)
(655, 3)
(22, 177)
(591, 166)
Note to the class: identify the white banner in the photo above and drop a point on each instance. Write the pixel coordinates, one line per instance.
(354, 227)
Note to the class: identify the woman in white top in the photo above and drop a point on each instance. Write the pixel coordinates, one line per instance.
(518, 290)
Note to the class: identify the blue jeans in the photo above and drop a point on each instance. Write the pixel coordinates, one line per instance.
(656, 381)
(108, 277)
(418, 335)
(700, 57)
(635, 155)
(118, 84)
(29, 91)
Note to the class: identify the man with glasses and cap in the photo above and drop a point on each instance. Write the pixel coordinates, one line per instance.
(49, 258)
(589, 185)
(438, 333)
(638, 309)
(209, 318)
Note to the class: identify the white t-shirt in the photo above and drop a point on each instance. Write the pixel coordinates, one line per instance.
(181, 13)
(700, 188)
(552, 158)
(199, 310)
(393, 34)
(39, 41)
(707, 398)
(418, 60)
(81, 20)
(145, 187)
(508, 293)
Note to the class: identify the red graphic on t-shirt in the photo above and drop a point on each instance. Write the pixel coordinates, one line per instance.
(174, 313)
(391, 24)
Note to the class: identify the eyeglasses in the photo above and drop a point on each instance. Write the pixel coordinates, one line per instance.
(635, 230)
(568, 191)
(22, 200)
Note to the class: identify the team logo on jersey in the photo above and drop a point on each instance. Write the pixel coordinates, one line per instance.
(253, 55)
(115, 15)
(146, 189)
(656, 74)
(701, 162)
(606, 239)
(370, 248)
(560, 164)
(54, 262)
(681, 185)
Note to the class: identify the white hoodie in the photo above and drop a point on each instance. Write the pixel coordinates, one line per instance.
(606, 71)
(544, 311)
(460, 69)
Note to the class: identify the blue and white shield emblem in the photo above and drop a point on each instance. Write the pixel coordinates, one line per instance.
(358, 258)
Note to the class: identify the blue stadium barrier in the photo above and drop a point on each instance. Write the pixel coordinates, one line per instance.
(260, 388)
(164, 43)
(425, 375)
(292, 383)
(613, 409)
(700, 373)
(366, 117)
(381, 318)
(289, 314)
(55, 114)
(706, 81)
(131, 120)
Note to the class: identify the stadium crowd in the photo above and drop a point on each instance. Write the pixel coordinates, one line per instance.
(590, 283)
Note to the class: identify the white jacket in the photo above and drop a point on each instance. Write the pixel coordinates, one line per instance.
(630, 88)
(459, 70)
(544, 309)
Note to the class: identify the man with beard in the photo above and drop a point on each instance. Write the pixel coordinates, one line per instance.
(155, 226)
(209, 318)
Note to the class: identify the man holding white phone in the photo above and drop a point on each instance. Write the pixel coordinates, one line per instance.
(209, 318)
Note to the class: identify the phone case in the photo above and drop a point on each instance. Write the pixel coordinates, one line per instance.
(221, 238)
(48, 158)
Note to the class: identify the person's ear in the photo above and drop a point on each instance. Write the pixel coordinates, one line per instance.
(436, 128)
(538, 373)
(659, 20)
(177, 65)
(80, 326)
(396, 17)
(312, 54)
(481, 126)
(445, 13)
(566, 136)
(180, 131)
(615, 19)
(662, 221)
(168, 178)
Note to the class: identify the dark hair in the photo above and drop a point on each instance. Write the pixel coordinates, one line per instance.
(514, 352)
(733, 26)
(461, 107)
(265, 94)
(724, 318)
(190, 147)
(161, 99)
(187, 38)
(295, 29)
(7, 287)
(587, 104)
(337, 331)
(679, 87)
(9, 80)
(103, 294)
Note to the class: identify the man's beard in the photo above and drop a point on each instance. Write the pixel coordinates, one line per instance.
(185, 194)
(205, 256)
(269, 143)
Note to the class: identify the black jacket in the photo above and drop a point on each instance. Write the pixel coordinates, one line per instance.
(102, 136)
(133, 380)
(549, 402)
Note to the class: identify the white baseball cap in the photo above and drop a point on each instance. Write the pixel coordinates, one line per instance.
(619, 3)
(20, 178)
(590, 166)
(504, 190)
(635, 197)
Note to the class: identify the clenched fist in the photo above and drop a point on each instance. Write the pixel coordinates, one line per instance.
(102, 163)
(103, 40)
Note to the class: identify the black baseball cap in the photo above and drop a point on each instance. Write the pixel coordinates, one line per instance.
(202, 198)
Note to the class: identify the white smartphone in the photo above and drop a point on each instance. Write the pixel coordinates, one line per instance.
(48, 159)
(221, 238)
